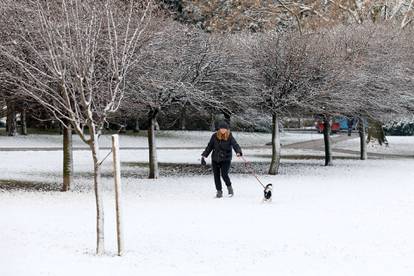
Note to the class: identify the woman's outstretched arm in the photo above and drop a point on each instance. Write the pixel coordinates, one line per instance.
(209, 147)
(236, 146)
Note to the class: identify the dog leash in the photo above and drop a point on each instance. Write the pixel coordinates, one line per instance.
(251, 171)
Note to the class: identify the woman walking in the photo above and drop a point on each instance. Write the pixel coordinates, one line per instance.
(221, 143)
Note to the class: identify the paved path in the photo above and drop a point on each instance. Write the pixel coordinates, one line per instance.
(317, 145)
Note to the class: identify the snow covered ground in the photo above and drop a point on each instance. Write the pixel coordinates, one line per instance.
(402, 145)
(165, 139)
(46, 166)
(345, 220)
(355, 218)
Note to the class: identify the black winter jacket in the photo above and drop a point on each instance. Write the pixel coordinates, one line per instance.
(221, 148)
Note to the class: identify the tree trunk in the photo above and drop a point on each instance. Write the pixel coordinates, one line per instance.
(213, 122)
(327, 141)
(183, 118)
(153, 161)
(276, 148)
(362, 140)
(123, 127)
(100, 246)
(67, 158)
(11, 122)
(136, 128)
(23, 121)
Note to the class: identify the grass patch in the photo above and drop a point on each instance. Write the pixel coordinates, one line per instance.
(306, 157)
(25, 185)
(182, 169)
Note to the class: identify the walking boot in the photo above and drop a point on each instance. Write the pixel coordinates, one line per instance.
(230, 189)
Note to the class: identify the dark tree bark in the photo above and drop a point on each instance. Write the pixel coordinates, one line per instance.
(67, 158)
(183, 117)
(23, 119)
(327, 140)
(362, 139)
(136, 127)
(350, 125)
(152, 148)
(213, 122)
(276, 148)
(299, 122)
(11, 122)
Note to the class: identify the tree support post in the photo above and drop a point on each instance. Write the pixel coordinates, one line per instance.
(117, 178)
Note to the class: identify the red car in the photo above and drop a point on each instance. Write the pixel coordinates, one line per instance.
(335, 126)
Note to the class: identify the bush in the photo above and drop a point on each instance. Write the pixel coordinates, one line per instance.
(399, 128)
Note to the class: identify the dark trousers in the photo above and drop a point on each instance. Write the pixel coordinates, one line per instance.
(221, 169)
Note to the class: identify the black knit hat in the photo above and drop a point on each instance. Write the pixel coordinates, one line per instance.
(223, 124)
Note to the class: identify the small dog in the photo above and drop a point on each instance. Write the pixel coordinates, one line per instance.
(268, 193)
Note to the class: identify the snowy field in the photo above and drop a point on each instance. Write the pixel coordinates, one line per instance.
(45, 166)
(402, 145)
(165, 139)
(355, 218)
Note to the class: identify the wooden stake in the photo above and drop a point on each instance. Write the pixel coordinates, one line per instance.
(117, 177)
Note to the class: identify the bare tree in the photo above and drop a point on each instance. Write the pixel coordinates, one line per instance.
(182, 67)
(341, 53)
(76, 62)
(231, 83)
(367, 75)
(285, 66)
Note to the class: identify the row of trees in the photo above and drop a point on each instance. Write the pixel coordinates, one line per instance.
(89, 63)
(259, 16)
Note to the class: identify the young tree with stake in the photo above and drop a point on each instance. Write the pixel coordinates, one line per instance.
(77, 62)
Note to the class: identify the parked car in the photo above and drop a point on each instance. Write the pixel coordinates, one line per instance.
(335, 124)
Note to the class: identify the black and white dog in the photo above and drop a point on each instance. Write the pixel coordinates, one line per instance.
(268, 193)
